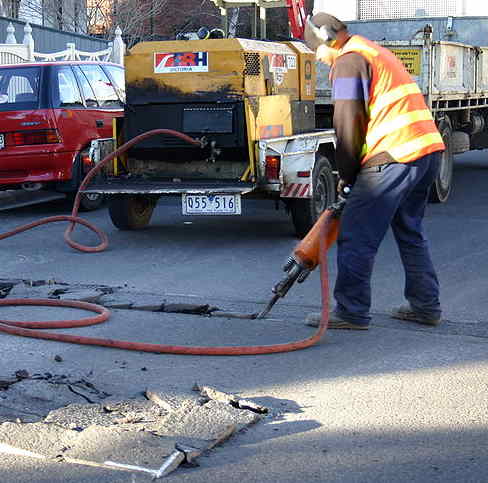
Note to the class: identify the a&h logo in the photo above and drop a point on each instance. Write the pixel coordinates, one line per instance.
(167, 63)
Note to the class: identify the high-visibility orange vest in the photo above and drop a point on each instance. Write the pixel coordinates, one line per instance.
(399, 121)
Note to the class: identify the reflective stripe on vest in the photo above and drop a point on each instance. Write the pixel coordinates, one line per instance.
(393, 96)
(417, 145)
(396, 124)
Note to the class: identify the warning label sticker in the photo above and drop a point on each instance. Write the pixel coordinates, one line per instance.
(410, 58)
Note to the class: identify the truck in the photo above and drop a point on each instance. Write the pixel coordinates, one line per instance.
(265, 112)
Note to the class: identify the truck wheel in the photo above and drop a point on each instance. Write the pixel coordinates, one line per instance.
(130, 212)
(441, 189)
(305, 212)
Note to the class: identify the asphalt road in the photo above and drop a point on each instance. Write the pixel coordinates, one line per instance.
(399, 403)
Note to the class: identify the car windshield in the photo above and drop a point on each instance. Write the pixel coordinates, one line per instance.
(19, 88)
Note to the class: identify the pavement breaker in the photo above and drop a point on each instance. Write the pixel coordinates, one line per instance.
(309, 252)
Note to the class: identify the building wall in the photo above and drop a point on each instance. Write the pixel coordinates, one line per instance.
(476, 7)
(344, 10)
(374, 9)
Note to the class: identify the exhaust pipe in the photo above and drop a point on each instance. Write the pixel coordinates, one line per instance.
(32, 186)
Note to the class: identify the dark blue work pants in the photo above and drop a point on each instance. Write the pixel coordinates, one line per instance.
(392, 195)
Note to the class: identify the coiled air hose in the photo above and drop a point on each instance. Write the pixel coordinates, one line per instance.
(314, 246)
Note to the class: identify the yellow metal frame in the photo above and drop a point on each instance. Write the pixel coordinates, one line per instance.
(266, 117)
(114, 135)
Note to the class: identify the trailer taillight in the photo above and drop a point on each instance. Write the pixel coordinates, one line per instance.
(41, 136)
(272, 171)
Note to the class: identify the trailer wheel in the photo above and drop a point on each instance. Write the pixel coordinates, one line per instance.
(131, 212)
(441, 189)
(305, 212)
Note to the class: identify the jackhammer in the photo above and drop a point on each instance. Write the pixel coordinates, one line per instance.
(306, 255)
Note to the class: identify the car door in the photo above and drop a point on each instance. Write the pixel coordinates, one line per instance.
(72, 114)
(109, 105)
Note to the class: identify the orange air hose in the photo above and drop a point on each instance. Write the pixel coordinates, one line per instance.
(313, 248)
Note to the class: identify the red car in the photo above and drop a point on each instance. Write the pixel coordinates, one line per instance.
(49, 114)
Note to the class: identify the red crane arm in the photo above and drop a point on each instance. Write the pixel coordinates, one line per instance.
(296, 17)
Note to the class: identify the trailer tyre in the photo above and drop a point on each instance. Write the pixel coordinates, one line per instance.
(131, 212)
(305, 212)
(441, 189)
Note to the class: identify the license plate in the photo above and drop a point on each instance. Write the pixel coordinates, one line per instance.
(2, 141)
(213, 204)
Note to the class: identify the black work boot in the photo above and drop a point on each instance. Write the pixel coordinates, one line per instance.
(405, 312)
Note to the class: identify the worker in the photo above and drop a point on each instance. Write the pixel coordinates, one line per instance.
(388, 151)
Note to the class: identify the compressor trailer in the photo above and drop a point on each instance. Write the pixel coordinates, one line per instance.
(252, 102)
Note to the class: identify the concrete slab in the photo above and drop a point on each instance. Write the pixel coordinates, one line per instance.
(138, 435)
(47, 440)
(31, 399)
(144, 414)
(196, 425)
(138, 448)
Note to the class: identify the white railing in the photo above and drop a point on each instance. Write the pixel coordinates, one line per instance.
(13, 53)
